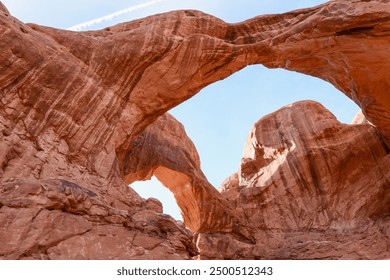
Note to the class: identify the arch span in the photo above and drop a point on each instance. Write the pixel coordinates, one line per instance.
(72, 104)
(128, 75)
(165, 151)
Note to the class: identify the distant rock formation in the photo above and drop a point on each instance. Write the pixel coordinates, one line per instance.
(82, 116)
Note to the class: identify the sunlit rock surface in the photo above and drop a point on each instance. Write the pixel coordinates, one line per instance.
(311, 188)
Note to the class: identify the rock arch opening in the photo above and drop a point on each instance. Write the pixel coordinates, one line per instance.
(76, 106)
(215, 109)
(219, 118)
(153, 188)
(164, 150)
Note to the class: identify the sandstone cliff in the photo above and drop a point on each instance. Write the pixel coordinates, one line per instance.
(312, 188)
(82, 116)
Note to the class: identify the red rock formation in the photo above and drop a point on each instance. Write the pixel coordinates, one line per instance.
(3, 8)
(164, 150)
(57, 219)
(74, 107)
(310, 184)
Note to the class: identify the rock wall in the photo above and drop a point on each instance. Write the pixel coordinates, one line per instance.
(82, 115)
(311, 187)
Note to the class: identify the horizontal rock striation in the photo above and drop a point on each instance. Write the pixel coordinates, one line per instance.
(82, 115)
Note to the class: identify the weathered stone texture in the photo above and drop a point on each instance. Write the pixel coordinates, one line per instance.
(311, 188)
(82, 116)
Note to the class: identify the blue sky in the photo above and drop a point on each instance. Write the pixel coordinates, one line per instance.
(219, 118)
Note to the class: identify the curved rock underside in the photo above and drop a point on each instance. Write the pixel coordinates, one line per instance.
(82, 116)
(164, 150)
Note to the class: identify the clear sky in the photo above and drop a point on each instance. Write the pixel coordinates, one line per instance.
(219, 118)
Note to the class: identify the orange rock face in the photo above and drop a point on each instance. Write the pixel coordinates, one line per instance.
(82, 116)
(164, 150)
(309, 185)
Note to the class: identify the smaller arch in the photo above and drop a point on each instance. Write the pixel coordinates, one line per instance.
(154, 189)
(165, 151)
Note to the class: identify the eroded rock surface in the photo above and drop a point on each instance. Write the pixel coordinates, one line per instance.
(164, 150)
(76, 111)
(311, 187)
(57, 219)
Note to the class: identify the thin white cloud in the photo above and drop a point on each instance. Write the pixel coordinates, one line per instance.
(109, 17)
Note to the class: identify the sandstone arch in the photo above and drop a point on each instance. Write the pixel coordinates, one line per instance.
(164, 150)
(72, 104)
